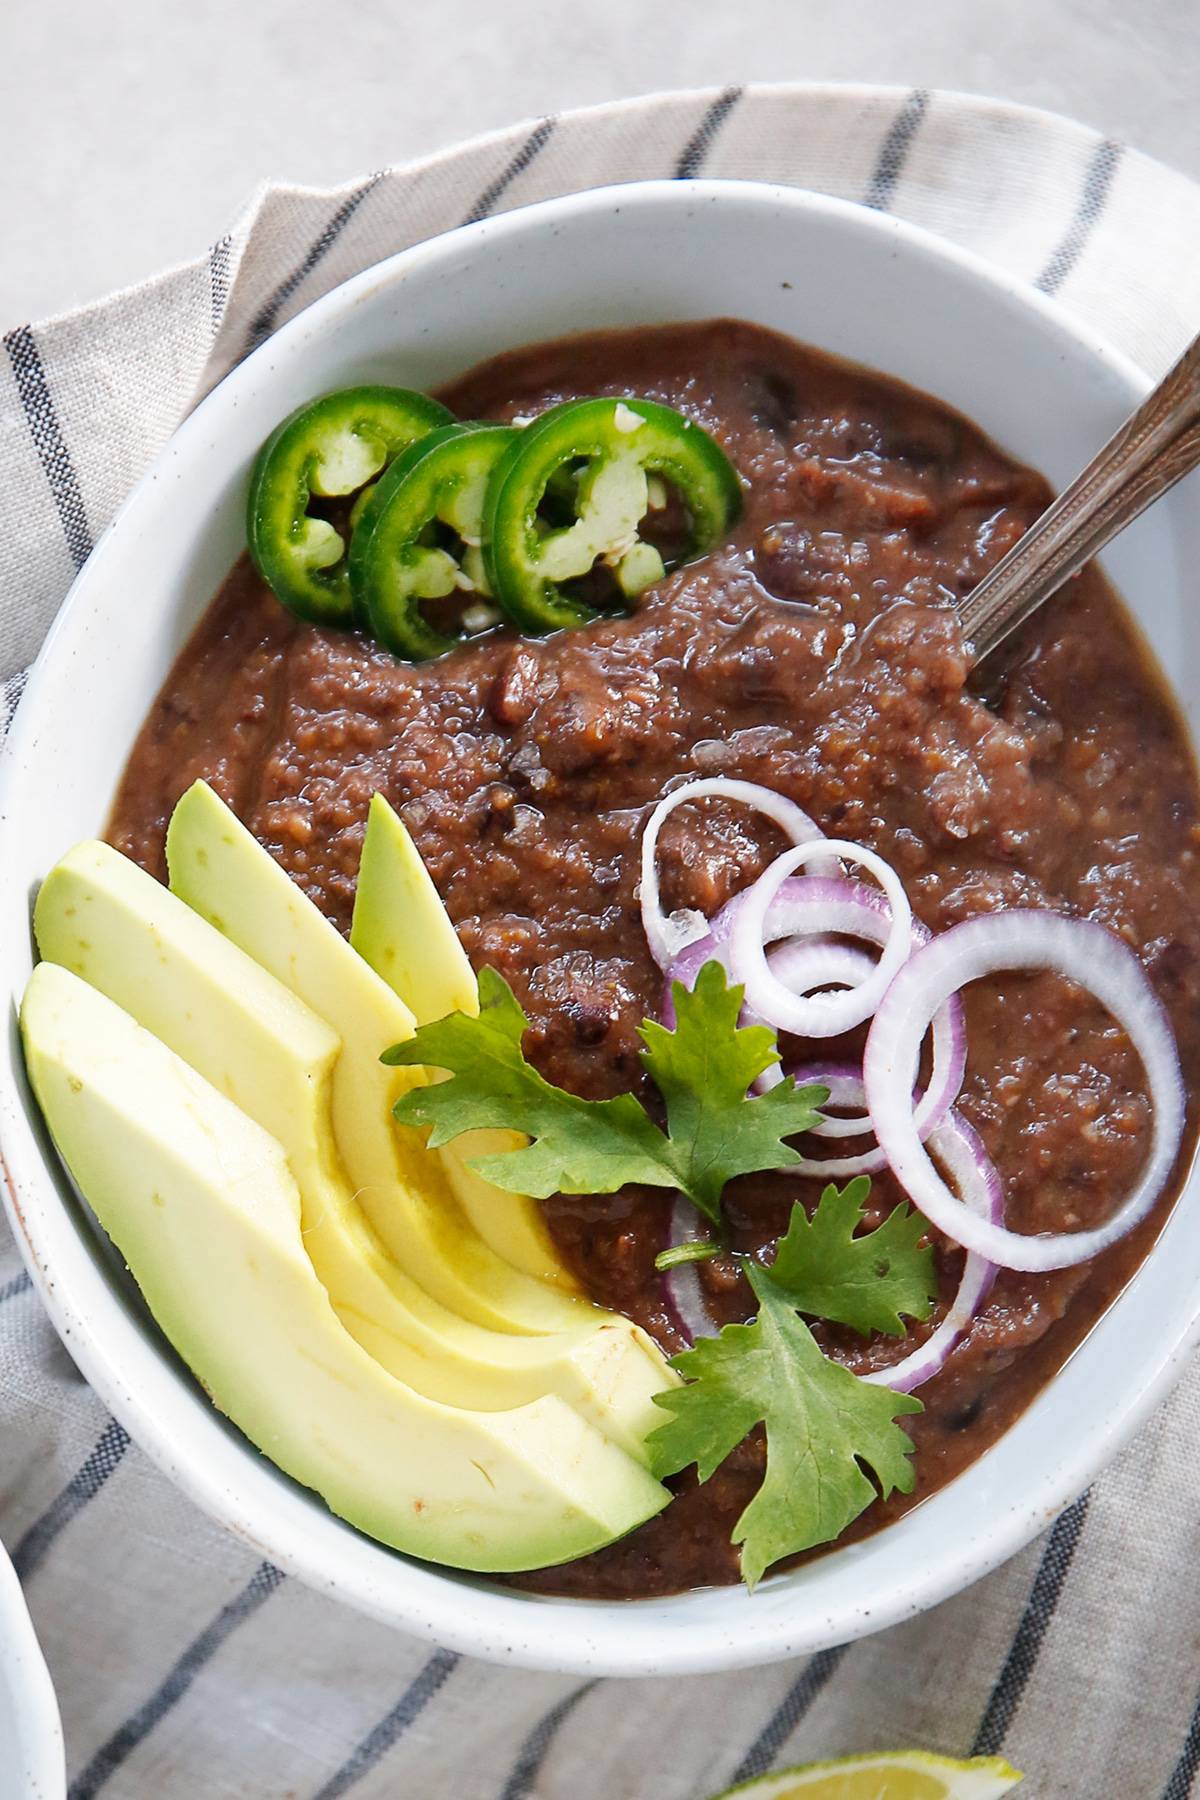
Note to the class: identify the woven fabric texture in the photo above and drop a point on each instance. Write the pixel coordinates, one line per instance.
(185, 1666)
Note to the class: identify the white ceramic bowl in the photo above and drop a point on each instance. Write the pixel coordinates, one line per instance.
(853, 282)
(32, 1763)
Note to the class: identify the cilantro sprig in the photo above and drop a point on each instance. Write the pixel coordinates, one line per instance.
(823, 1425)
(865, 1281)
(833, 1443)
(704, 1069)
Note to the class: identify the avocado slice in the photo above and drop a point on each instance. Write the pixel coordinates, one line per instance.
(202, 1205)
(225, 875)
(105, 919)
(402, 929)
(401, 926)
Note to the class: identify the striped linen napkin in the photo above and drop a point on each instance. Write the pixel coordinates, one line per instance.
(185, 1666)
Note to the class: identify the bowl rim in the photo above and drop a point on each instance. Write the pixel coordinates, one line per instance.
(544, 1632)
(39, 1753)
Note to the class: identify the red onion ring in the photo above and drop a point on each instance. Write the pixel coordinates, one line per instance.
(668, 935)
(803, 964)
(1083, 951)
(682, 1286)
(816, 1015)
(846, 1088)
(845, 1084)
(806, 906)
(847, 907)
(792, 915)
(962, 1151)
(685, 968)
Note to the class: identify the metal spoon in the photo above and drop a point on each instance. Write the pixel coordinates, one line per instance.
(1156, 447)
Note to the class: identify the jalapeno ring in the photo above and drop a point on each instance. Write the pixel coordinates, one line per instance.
(332, 447)
(620, 443)
(395, 562)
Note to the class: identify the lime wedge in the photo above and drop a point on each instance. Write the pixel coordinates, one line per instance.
(888, 1775)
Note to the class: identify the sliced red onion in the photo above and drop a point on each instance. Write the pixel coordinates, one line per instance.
(839, 1168)
(845, 1084)
(685, 968)
(683, 1287)
(668, 935)
(852, 910)
(816, 1015)
(961, 1150)
(806, 910)
(803, 964)
(1083, 951)
(846, 1088)
(804, 907)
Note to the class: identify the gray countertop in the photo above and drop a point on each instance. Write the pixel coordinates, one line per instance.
(131, 133)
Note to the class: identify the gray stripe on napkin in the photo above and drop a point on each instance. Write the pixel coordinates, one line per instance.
(83, 1486)
(815, 1676)
(20, 1284)
(219, 258)
(530, 150)
(536, 1748)
(10, 695)
(266, 319)
(1026, 1646)
(1183, 1775)
(1097, 183)
(201, 1650)
(375, 1746)
(894, 150)
(48, 440)
(692, 156)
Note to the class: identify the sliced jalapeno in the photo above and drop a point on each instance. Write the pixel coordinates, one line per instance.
(609, 449)
(419, 536)
(328, 449)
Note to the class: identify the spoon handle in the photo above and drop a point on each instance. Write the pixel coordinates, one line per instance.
(1155, 448)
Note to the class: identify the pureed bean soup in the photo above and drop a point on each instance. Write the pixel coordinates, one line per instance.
(815, 652)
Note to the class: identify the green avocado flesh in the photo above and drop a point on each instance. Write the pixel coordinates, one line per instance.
(226, 876)
(109, 922)
(402, 929)
(400, 926)
(204, 1207)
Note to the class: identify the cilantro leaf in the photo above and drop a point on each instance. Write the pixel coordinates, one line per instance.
(825, 1429)
(703, 1070)
(580, 1146)
(865, 1282)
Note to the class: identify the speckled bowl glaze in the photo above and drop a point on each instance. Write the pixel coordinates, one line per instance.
(855, 283)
